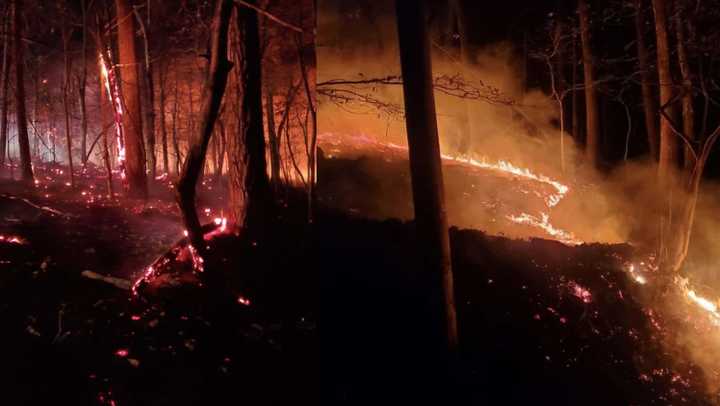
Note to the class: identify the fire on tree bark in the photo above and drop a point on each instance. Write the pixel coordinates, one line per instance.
(424, 151)
(592, 135)
(249, 186)
(212, 98)
(21, 116)
(131, 119)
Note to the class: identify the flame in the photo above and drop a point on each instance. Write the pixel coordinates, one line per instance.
(111, 87)
(551, 200)
(710, 307)
(12, 239)
(544, 224)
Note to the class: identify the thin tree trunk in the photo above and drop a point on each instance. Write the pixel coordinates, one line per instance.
(81, 88)
(132, 112)
(313, 135)
(20, 114)
(163, 125)
(688, 113)
(272, 138)
(176, 146)
(649, 102)
(424, 150)
(575, 102)
(466, 137)
(212, 98)
(148, 90)
(66, 102)
(668, 160)
(592, 139)
(4, 85)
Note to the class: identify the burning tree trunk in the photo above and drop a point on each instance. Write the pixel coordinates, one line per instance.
(424, 150)
(105, 123)
(4, 85)
(131, 118)
(249, 187)
(212, 98)
(21, 117)
(688, 113)
(592, 140)
(649, 101)
(668, 142)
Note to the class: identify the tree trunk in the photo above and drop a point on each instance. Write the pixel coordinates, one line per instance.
(272, 138)
(249, 185)
(688, 113)
(312, 148)
(20, 114)
(176, 146)
(66, 101)
(424, 151)
(82, 86)
(668, 160)
(131, 118)
(592, 139)
(574, 100)
(649, 102)
(4, 87)
(212, 98)
(105, 123)
(148, 91)
(163, 125)
(466, 138)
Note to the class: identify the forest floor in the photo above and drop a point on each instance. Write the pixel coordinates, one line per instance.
(69, 339)
(540, 322)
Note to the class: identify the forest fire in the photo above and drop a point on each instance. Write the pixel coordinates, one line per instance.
(340, 145)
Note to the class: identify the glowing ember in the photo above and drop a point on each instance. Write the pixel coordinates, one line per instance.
(580, 292)
(635, 275)
(11, 239)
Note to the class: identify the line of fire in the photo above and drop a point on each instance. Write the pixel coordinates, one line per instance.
(479, 203)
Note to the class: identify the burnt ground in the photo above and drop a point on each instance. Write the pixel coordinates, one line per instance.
(540, 322)
(527, 334)
(67, 339)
